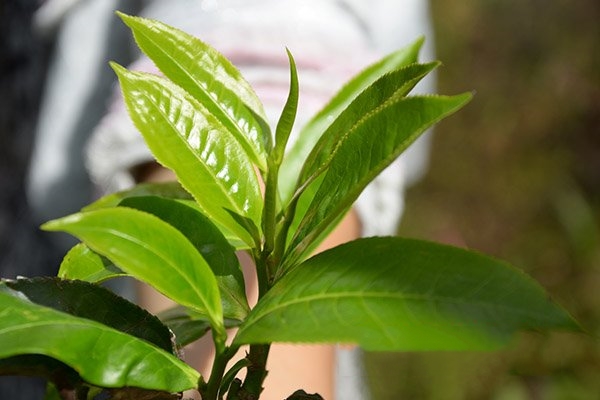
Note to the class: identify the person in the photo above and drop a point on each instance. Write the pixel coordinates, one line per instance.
(331, 40)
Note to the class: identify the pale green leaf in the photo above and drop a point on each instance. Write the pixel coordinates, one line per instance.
(364, 152)
(152, 251)
(288, 115)
(185, 137)
(101, 355)
(207, 76)
(85, 264)
(209, 242)
(395, 294)
(312, 131)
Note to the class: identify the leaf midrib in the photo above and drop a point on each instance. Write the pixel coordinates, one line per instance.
(160, 255)
(217, 181)
(380, 295)
(198, 84)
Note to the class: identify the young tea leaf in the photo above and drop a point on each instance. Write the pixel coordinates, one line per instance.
(394, 294)
(288, 115)
(209, 77)
(362, 153)
(312, 131)
(185, 137)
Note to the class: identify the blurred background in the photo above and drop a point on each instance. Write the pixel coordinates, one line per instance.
(516, 174)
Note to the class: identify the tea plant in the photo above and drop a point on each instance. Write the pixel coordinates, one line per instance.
(205, 123)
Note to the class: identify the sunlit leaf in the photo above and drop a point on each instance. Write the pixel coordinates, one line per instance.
(288, 115)
(85, 264)
(385, 90)
(152, 251)
(209, 242)
(185, 137)
(396, 294)
(312, 131)
(364, 152)
(209, 77)
(101, 355)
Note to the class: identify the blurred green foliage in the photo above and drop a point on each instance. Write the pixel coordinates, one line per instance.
(517, 175)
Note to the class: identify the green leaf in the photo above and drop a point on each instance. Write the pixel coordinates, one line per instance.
(185, 324)
(152, 251)
(86, 300)
(388, 88)
(288, 115)
(209, 242)
(396, 294)
(185, 137)
(207, 76)
(83, 263)
(101, 355)
(362, 153)
(310, 133)
(169, 190)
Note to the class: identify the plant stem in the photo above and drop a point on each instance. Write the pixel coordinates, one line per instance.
(257, 372)
(210, 391)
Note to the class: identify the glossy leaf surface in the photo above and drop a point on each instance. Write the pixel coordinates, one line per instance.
(152, 251)
(185, 137)
(363, 152)
(209, 77)
(402, 295)
(312, 131)
(83, 263)
(209, 242)
(85, 300)
(101, 355)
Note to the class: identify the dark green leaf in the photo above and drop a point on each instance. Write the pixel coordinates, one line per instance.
(152, 251)
(46, 367)
(86, 300)
(185, 137)
(209, 242)
(101, 355)
(169, 190)
(209, 77)
(396, 294)
(185, 324)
